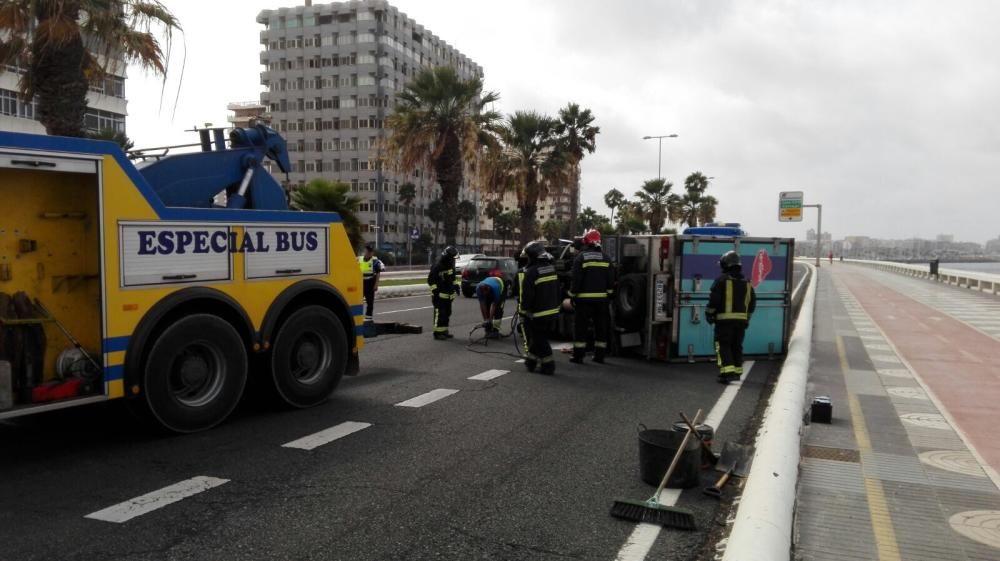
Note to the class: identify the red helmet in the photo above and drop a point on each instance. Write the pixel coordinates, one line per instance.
(592, 237)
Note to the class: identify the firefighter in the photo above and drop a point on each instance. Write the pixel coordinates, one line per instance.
(591, 287)
(491, 293)
(537, 306)
(442, 282)
(730, 304)
(371, 270)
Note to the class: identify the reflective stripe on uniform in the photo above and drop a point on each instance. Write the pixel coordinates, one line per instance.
(544, 313)
(729, 297)
(366, 267)
(593, 295)
(603, 264)
(600, 345)
(732, 315)
(577, 345)
(549, 278)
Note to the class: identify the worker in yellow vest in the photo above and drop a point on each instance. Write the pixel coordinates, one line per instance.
(371, 269)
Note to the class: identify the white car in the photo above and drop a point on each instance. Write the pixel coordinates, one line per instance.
(462, 261)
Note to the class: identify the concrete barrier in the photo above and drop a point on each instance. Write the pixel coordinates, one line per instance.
(982, 282)
(763, 527)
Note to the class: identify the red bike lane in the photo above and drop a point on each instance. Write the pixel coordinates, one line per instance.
(958, 364)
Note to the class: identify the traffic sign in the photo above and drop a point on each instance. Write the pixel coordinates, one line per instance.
(790, 206)
(414, 233)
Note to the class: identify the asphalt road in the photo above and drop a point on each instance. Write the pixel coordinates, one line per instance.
(522, 466)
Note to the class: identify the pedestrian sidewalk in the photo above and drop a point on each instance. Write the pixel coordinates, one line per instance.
(907, 470)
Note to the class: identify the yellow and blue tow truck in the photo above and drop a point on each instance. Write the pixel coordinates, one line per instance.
(168, 283)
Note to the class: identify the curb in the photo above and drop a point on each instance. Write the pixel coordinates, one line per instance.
(763, 527)
(402, 290)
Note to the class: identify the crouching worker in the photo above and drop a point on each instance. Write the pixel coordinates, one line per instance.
(730, 304)
(491, 293)
(538, 306)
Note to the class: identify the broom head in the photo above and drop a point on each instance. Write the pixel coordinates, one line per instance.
(653, 513)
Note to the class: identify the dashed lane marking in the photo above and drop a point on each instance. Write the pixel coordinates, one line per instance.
(123, 512)
(427, 398)
(489, 375)
(406, 310)
(326, 436)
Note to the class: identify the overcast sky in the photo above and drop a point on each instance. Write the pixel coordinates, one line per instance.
(883, 112)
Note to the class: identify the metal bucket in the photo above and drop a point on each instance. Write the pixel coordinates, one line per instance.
(656, 451)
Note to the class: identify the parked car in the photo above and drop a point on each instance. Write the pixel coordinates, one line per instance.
(483, 266)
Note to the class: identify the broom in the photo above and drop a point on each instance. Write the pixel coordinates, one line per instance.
(651, 511)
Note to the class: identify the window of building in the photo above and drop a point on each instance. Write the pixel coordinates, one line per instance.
(366, 38)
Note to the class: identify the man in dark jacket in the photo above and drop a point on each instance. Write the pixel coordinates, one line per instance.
(730, 304)
(592, 286)
(538, 306)
(442, 282)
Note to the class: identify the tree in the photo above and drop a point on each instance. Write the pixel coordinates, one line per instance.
(706, 210)
(694, 204)
(653, 198)
(322, 195)
(505, 226)
(407, 193)
(62, 46)
(466, 212)
(552, 229)
(632, 218)
(590, 220)
(438, 126)
(577, 138)
(436, 214)
(527, 160)
(614, 199)
(112, 135)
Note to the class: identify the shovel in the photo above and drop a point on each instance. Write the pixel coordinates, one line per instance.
(734, 460)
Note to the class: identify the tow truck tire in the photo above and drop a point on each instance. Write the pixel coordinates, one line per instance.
(195, 373)
(630, 299)
(309, 356)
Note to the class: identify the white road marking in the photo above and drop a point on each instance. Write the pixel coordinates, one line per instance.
(519, 361)
(123, 512)
(424, 399)
(489, 375)
(638, 544)
(406, 310)
(326, 436)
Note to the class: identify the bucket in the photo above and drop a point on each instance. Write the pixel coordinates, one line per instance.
(656, 451)
(706, 431)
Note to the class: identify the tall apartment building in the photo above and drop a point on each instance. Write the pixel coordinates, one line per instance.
(332, 73)
(106, 104)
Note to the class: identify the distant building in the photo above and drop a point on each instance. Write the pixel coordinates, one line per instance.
(947, 238)
(993, 246)
(106, 104)
(247, 113)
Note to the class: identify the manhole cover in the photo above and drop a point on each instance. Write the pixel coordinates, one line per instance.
(835, 454)
(895, 372)
(953, 460)
(908, 393)
(982, 526)
(926, 420)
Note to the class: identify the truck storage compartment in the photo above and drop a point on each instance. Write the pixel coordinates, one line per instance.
(49, 279)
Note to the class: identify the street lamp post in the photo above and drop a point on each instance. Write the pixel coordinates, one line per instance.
(659, 159)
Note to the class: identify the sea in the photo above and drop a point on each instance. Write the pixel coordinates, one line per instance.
(991, 268)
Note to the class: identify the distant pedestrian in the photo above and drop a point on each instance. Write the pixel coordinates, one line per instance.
(831, 258)
(730, 304)
(371, 270)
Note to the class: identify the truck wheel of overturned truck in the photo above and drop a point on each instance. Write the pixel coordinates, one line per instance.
(309, 356)
(195, 373)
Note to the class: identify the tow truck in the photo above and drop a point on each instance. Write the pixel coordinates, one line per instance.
(168, 283)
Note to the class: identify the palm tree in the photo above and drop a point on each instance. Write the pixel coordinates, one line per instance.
(436, 214)
(527, 161)
(696, 183)
(322, 195)
(407, 193)
(62, 46)
(614, 199)
(505, 226)
(578, 138)
(706, 210)
(466, 212)
(552, 229)
(653, 199)
(438, 126)
(693, 205)
(116, 136)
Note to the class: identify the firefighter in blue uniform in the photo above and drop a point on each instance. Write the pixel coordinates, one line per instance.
(491, 293)
(442, 282)
(592, 286)
(730, 305)
(371, 269)
(538, 306)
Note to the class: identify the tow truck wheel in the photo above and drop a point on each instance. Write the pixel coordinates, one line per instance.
(309, 356)
(195, 373)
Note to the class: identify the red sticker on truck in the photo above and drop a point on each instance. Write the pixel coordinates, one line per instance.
(761, 268)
